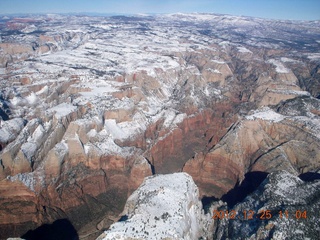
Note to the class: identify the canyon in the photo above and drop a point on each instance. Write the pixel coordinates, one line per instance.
(92, 105)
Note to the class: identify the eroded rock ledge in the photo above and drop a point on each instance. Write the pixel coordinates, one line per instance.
(167, 207)
(163, 207)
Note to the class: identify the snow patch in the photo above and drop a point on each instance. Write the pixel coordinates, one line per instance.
(213, 70)
(266, 114)
(289, 60)
(218, 61)
(114, 130)
(62, 110)
(10, 129)
(32, 98)
(164, 206)
(172, 118)
(17, 100)
(287, 183)
(45, 89)
(30, 180)
(280, 68)
(243, 50)
(314, 56)
(291, 92)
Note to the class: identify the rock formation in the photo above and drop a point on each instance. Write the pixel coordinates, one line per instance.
(164, 206)
(167, 206)
(91, 106)
(283, 207)
(264, 141)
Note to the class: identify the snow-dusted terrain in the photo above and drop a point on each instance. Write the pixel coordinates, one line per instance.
(163, 207)
(266, 114)
(283, 207)
(91, 105)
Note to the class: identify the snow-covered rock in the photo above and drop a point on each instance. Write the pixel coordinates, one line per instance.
(283, 207)
(10, 129)
(266, 114)
(163, 207)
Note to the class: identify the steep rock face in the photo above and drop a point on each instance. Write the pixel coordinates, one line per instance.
(93, 194)
(67, 169)
(164, 206)
(19, 208)
(13, 52)
(265, 141)
(173, 149)
(283, 207)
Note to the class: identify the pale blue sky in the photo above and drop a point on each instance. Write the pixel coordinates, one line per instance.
(278, 9)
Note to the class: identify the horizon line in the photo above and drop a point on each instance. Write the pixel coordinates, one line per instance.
(150, 13)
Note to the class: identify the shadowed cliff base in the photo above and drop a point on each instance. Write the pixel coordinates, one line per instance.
(309, 176)
(250, 183)
(206, 203)
(61, 229)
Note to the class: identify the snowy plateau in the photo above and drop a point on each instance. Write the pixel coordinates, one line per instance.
(141, 126)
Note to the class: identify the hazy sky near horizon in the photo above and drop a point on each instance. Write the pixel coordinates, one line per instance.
(277, 9)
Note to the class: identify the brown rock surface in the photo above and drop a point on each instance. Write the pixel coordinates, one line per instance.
(193, 134)
(69, 190)
(254, 145)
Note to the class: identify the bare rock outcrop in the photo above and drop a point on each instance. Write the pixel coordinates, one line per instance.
(265, 141)
(164, 206)
(193, 134)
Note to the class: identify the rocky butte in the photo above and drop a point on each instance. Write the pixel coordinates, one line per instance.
(91, 106)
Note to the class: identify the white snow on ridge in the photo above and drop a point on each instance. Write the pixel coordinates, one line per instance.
(285, 59)
(280, 68)
(218, 61)
(62, 109)
(45, 89)
(243, 50)
(10, 129)
(164, 206)
(291, 92)
(172, 118)
(287, 184)
(314, 56)
(32, 98)
(96, 90)
(266, 114)
(114, 130)
(189, 16)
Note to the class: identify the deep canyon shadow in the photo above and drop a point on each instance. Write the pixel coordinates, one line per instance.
(61, 229)
(250, 183)
(309, 176)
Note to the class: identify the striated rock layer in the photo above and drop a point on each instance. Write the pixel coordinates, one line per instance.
(265, 141)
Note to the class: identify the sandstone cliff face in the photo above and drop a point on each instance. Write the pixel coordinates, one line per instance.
(265, 141)
(76, 192)
(194, 134)
(53, 174)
